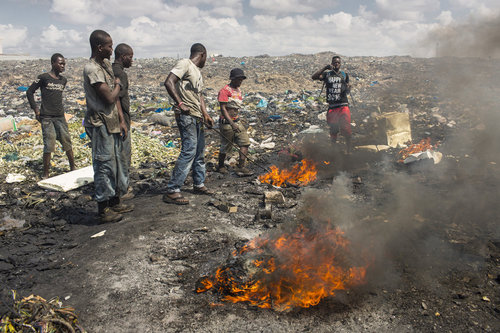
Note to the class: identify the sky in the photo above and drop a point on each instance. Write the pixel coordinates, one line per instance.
(158, 28)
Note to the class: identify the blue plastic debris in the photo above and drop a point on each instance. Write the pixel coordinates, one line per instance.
(83, 135)
(274, 117)
(160, 110)
(242, 63)
(373, 83)
(170, 144)
(22, 88)
(11, 157)
(262, 103)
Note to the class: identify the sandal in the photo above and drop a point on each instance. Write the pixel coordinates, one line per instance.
(202, 190)
(175, 198)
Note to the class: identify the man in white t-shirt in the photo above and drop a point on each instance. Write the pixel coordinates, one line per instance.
(184, 84)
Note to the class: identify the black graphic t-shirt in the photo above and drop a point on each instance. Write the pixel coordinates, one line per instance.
(336, 88)
(52, 89)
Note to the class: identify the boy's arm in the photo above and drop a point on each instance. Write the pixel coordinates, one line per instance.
(169, 84)
(206, 117)
(104, 91)
(318, 74)
(123, 125)
(31, 98)
(348, 84)
(223, 110)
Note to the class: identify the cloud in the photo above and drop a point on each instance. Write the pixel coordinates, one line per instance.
(52, 37)
(471, 4)
(405, 10)
(228, 8)
(290, 6)
(79, 11)
(12, 37)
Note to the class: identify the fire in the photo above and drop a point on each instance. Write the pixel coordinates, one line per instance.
(423, 145)
(301, 174)
(296, 269)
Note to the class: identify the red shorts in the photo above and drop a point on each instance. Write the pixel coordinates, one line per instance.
(339, 120)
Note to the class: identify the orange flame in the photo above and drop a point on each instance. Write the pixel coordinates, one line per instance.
(295, 270)
(301, 174)
(423, 145)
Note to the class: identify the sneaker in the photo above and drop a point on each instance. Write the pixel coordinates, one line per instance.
(129, 195)
(109, 216)
(122, 208)
(243, 172)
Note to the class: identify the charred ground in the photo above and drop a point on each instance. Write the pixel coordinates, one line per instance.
(432, 229)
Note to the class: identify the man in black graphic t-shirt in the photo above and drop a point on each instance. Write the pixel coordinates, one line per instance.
(337, 87)
(51, 112)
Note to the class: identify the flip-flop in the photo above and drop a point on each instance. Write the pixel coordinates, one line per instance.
(178, 199)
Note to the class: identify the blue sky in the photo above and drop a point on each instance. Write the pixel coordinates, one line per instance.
(156, 28)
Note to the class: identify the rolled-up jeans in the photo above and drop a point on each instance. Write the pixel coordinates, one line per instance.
(110, 165)
(192, 153)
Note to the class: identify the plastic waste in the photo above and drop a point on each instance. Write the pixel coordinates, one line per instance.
(22, 88)
(83, 135)
(11, 157)
(262, 103)
(8, 124)
(170, 144)
(14, 178)
(275, 117)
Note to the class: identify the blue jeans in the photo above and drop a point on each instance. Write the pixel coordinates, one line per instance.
(192, 153)
(110, 165)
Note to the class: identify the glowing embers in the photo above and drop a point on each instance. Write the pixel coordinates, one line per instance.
(301, 174)
(423, 145)
(295, 269)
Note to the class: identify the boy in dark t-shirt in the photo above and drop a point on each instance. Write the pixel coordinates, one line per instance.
(124, 55)
(51, 112)
(337, 87)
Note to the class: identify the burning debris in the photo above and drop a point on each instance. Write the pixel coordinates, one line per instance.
(404, 155)
(293, 269)
(300, 175)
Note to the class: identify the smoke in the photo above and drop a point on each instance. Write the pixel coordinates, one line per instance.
(474, 38)
(424, 221)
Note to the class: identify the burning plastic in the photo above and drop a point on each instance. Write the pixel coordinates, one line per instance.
(301, 174)
(295, 269)
(422, 146)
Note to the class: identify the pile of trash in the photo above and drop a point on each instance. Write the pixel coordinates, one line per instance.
(21, 150)
(35, 314)
(280, 101)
